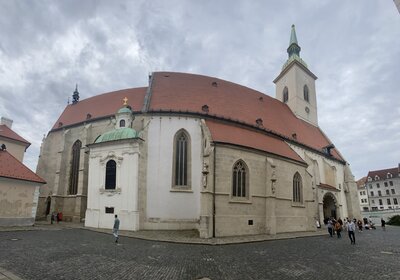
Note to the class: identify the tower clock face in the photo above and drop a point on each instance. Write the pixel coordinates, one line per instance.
(307, 110)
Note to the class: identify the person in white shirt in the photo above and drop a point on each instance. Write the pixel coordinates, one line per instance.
(351, 228)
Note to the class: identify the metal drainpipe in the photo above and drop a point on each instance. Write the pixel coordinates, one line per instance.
(215, 147)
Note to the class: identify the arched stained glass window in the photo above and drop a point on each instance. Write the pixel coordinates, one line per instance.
(111, 175)
(182, 159)
(285, 95)
(74, 167)
(239, 179)
(297, 188)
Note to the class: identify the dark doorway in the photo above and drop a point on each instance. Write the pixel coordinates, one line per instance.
(329, 206)
(48, 205)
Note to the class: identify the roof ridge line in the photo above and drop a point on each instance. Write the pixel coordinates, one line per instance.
(147, 97)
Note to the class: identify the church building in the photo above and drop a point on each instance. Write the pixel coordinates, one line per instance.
(196, 152)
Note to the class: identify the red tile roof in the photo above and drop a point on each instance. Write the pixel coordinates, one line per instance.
(101, 105)
(382, 174)
(12, 168)
(7, 132)
(227, 133)
(183, 92)
(361, 183)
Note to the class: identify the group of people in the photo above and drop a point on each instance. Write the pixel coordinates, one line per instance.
(56, 217)
(336, 226)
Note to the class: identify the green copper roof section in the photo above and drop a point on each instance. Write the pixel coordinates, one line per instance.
(117, 134)
(293, 50)
(124, 110)
(293, 37)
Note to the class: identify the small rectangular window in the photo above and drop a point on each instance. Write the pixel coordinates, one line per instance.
(380, 202)
(386, 184)
(395, 201)
(377, 185)
(393, 192)
(372, 193)
(391, 183)
(250, 222)
(109, 210)
(373, 201)
(388, 201)
(387, 192)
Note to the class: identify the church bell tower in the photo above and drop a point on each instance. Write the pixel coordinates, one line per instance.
(295, 85)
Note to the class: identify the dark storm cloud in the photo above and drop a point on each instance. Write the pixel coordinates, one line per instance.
(47, 47)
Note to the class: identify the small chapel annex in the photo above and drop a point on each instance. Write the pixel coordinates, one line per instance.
(196, 152)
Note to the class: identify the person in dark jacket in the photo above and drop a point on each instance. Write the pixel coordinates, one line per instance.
(116, 228)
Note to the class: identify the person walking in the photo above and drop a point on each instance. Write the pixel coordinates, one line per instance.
(383, 224)
(116, 228)
(351, 228)
(338, 229)
(330, 227)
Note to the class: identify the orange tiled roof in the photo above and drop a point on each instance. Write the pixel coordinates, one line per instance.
(7, 132)
(360, 183)
(101, 105)
(383, 173)
(183, 92)
(227, 133)
(12, 168)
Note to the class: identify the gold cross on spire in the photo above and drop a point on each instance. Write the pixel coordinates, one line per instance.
(125, 101)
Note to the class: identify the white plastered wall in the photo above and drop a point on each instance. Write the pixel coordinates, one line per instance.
(124, 198)
(168, 208)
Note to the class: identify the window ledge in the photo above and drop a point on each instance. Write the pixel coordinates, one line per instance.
(299, 205)
(110, 191)
(240, 201)
(181, 190)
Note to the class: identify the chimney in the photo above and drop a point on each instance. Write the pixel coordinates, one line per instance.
(6, 121)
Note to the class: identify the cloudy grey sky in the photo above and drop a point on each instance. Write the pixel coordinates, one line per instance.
(352, 46)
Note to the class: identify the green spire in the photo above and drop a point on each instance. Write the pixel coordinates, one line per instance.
(294, 48)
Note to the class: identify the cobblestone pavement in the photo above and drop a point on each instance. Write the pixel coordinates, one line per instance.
(81, 254)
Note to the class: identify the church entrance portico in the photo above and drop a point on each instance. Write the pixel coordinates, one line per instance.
(329, 206)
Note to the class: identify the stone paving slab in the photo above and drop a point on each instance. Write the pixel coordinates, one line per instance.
(5, 274)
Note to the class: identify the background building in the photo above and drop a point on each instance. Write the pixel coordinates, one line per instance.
(384, 188)
(363, 194)
(19, 186)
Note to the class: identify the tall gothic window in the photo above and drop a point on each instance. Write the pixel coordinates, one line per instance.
(74, 169)
(297, 188)
(305, 91)
(182, 159)
(122, 123)
(111, 175)
(239, 179)
(285, 95)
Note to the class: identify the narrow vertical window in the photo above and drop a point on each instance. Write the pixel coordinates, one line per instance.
(305, 91)
(239, 179)
(297, 188)
(74, 168)
(122, 123)
(285, 95)
(111, 175)
(182, 159)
